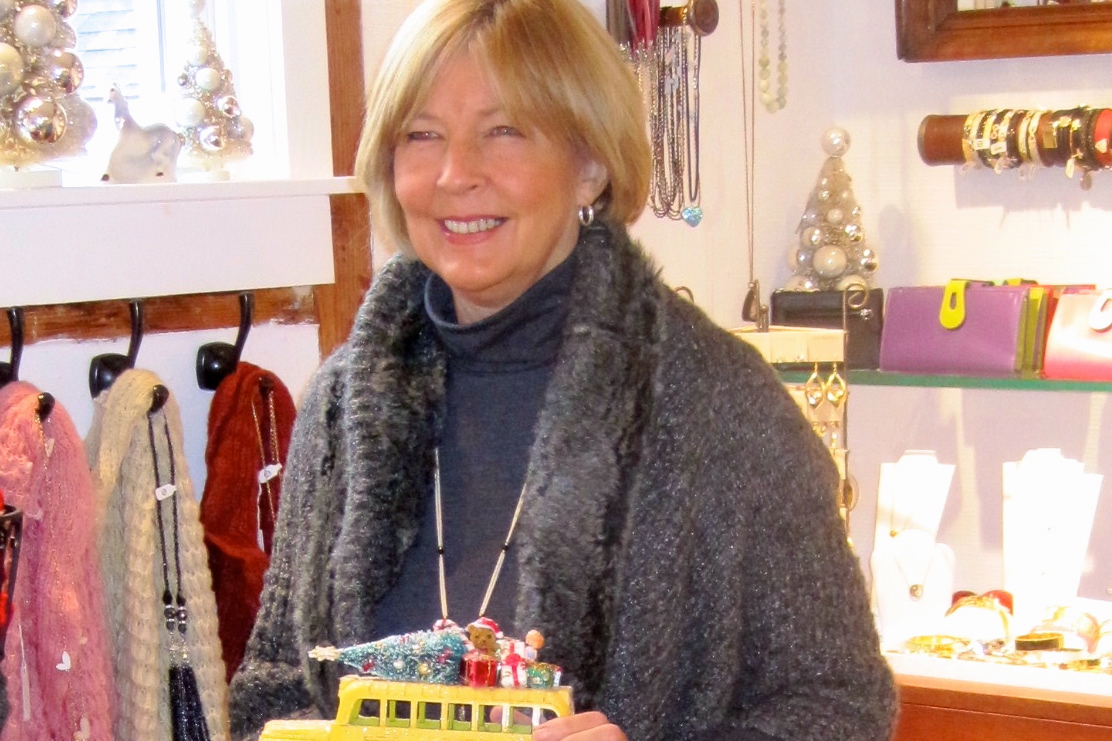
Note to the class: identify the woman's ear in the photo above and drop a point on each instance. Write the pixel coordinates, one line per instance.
(592, 181)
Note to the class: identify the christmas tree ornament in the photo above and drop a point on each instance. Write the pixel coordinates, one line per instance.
(831, 252)
(213, 128)
(432, 656)
(41, 115)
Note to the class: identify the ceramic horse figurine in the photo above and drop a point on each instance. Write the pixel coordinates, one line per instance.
(143, 154)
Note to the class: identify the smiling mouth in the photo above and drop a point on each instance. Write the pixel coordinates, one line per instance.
(471, 227)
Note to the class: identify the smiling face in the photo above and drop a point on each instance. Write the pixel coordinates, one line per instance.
(490, 203)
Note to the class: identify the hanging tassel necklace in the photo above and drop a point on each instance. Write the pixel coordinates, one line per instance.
(187, 715)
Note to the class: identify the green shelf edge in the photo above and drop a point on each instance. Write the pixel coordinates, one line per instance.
(879, 378)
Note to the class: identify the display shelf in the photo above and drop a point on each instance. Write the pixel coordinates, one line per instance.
(104, 242)
(953, 699)
(880, 378)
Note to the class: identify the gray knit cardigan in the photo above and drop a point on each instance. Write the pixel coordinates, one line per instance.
(680, 547)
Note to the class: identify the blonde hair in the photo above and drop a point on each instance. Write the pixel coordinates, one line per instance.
(552, 66)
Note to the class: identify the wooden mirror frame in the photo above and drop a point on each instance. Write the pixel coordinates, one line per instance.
(935, 31)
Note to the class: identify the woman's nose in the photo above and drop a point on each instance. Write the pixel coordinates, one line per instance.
(463, 165)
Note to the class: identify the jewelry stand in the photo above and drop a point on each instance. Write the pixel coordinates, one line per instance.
(1049, 506)
(913, 575)
(912, 494)
(913, 580)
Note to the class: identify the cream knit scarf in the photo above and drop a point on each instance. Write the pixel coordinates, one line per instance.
(119, 453)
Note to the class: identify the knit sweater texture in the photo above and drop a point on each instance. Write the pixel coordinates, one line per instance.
(119, 452)
(681, 549)
(56, 660)
(237, 512)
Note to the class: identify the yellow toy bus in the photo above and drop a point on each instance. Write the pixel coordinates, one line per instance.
(374, 709)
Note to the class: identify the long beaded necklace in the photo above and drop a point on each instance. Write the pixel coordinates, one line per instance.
(440, 544)
(271, 467)
(187, 715)
(773, 102)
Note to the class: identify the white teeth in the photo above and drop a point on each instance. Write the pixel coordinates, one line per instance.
(471, 227)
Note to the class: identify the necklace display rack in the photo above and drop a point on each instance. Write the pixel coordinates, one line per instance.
(665, 48)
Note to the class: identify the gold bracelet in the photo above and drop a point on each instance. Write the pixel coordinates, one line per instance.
(1033, 150)
(1039, 642)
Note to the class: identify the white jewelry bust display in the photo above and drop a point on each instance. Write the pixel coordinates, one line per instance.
(913, 580)
(913, 575)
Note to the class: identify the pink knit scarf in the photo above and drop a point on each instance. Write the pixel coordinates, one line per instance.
(56, 662)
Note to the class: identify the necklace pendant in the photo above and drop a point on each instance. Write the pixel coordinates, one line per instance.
(916, 591)
(693, 215)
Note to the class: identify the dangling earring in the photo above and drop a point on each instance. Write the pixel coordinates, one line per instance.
(587, 215)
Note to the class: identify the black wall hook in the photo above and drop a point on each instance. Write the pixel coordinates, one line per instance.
(10, 371)
(105, 368)
(45, 406)
(159, 396)
(217, 360)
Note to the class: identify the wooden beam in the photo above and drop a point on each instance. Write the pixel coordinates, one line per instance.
(109, 319)
(336, 304)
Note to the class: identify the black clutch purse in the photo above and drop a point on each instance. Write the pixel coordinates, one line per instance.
(859, 311)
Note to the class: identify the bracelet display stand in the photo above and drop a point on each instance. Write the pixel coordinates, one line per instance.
(1049, 506)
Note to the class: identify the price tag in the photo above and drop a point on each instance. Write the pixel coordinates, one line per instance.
(266, 473)
(165, 492)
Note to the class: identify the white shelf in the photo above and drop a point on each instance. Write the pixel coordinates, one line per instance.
(102, 242)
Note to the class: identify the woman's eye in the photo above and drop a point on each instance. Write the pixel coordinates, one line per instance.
(419, 136)
(505, 131)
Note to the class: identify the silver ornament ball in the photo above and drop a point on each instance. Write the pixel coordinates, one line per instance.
(11, 68)
(65, 37)
(211, 139)
(189, 112)
(65, 69)
(854, 232)
(34, 26)
(228, 105)
(39, 121)
(835, 216)
(64, 8)
(811, 237)
(835, 141)
(830, 261)
(208, 79)
(799, 259)
(802, 283)
(868, 263)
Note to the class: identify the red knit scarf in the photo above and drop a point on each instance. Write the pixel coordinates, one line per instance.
(234, 506)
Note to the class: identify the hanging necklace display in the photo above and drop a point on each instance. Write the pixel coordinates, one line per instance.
(271, 464)
(773, 101)
(668, 57)
(441, 577)
(187, 715)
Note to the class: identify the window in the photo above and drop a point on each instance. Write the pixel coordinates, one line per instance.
(399, 713)
(461, 717)
(428, 714)
(521, 719)
(367, 713)
(276, 52)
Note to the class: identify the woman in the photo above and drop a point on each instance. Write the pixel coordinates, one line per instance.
(678, 544)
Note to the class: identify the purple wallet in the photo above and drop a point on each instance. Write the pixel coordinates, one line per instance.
(988, 342)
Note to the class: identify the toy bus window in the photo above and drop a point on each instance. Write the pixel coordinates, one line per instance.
(492, 718)
(367, 713)
(540, 715)
(460, 717)
(521, 719)
(399, 713)
(428, 714)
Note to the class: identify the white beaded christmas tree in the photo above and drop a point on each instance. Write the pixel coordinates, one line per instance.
(831, 253)
(41, 116)
(214, 129)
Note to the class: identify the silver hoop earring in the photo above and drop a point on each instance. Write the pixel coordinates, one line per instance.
(587, 215)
